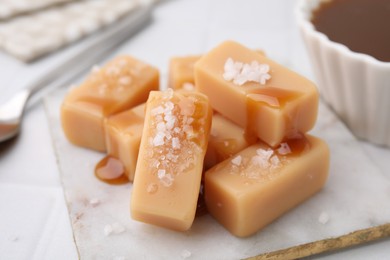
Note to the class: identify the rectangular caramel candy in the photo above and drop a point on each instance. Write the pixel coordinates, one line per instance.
(267, 99)
(226, 139)
(253, 188)
(170, 160)
(181, 72)
(123, 137)
(121, 84)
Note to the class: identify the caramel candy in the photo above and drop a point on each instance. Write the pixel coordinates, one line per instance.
(170, 160)
(121, 84)
(226, 139)
(123, 137)
(267, 99)
(181, 72)
(259, 184)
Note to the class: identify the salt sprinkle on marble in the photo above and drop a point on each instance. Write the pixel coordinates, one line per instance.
(185, 254)
(113, 229)
(94, 202)
(240, 72)
(323, 218)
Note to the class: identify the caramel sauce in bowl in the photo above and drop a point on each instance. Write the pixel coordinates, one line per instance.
(355, 85)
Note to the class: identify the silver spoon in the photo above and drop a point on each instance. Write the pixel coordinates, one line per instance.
(11, 112)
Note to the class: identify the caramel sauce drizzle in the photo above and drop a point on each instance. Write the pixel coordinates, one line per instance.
(111, 171)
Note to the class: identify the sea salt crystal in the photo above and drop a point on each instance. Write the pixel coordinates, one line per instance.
(175, 143)
(166, 179)
(240, 73)
(168, 94)
(160, 173)
(275, 161)
(113, 229)
(266, 154)
(152, 188)
(124, 80)
(161, 127)
(169, 106)
(237, 160)
(231, 69)
(171, 120)
(157, 110)
(188, 86)
(94, 202)
(323, 218)
(260, 161)
(158, 139)
(185, 254)
(284, 149)
(113, 71)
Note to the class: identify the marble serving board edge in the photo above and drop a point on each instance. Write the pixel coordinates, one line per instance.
(354, 198)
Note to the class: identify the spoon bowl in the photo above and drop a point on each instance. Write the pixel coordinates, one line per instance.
(11, 114)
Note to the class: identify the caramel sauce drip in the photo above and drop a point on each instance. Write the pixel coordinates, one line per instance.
(273, 97)
(111, 170)
(298, 145)
(6, 128)
(361, 25)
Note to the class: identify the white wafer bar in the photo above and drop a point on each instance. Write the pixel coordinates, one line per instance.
(11, 8)
(31, 36)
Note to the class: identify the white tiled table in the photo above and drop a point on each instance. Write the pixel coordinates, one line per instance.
(33, 218)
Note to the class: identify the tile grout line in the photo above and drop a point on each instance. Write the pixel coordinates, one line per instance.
(49, 227)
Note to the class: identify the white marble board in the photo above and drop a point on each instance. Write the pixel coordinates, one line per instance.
(355, 197)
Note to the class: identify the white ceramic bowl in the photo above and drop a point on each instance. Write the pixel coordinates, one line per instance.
(355, 85)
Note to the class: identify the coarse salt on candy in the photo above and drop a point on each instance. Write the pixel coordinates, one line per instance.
(157, 110)
(188, 86)
(266, 154)
(124, 80)
(265, 158)
(160, 173)
(260, 161)
(237, 160)
(165, 178)
(240, 72)
(158, 139)
(284, 149)
(175, 143)
(275, 161)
